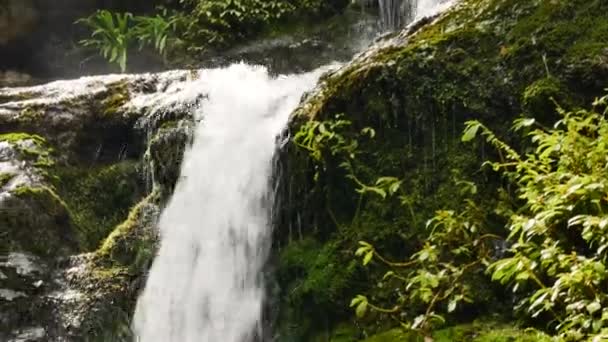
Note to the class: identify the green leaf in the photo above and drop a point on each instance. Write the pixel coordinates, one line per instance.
(361, 250)
(594, 307)
(361, 309)
(470, 131)
(368, 257)
(388, 275)
(356, 300)
(452, 305)
(523, 123)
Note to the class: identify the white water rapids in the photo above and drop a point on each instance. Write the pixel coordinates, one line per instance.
(206, 284)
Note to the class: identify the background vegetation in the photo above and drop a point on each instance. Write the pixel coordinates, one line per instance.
(188, 28)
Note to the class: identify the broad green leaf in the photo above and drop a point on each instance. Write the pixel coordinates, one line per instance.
(361, 309)
(368, 257)
(594, 307)
(471, 131)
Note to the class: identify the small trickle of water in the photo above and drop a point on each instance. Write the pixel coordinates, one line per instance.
(396, 14)
(206, 281)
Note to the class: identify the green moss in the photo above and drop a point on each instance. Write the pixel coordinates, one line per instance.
(165, 153)
(316, 279)
(476, 332)
(40, 153)
(5, 178)
(31, 114)
(44, 194)
(132, 243)
(99, 197)
(36, 220)
(319, 277)
(168, 125)
(114, 285)
(112, 100)
(14, 138)
(396, 335)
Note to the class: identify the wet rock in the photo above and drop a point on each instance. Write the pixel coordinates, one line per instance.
(13, 78)
(90, 130)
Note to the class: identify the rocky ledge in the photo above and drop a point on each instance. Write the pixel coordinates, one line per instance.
(85, 166)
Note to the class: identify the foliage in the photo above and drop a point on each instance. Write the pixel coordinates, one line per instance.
(557, 244)
(114, 33)
(111, 35)
(194, 27)
(478, 331)
(329, 139)
(222, 21)
(440, 277)
(557, 260)
(496, 48)
(155, 30)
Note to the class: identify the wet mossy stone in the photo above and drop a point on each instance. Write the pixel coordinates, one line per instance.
(99, 197)
(133, 242)
(36, 220)
(32, 149)
(166, 151)
(5, 178)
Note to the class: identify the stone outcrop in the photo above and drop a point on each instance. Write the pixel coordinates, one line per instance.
(84, 167)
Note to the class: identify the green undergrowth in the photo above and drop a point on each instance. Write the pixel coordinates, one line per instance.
(475, 332)
(181, 34)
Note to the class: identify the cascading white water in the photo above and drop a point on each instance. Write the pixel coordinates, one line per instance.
(206, 284)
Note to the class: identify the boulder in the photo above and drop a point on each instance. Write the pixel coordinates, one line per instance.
(85, 166)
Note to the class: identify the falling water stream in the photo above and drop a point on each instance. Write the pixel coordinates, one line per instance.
(395, 14)
(206, 283)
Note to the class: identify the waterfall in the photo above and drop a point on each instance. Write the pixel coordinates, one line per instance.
(206, 282)
(396, 14)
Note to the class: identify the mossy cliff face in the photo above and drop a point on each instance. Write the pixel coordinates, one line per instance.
(491, 60)
(85, 166)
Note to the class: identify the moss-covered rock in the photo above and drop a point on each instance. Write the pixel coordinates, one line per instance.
(132, 243)
(99, 197)
(490, 60)
(73, 180)
(165, 153)
(40, 222)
